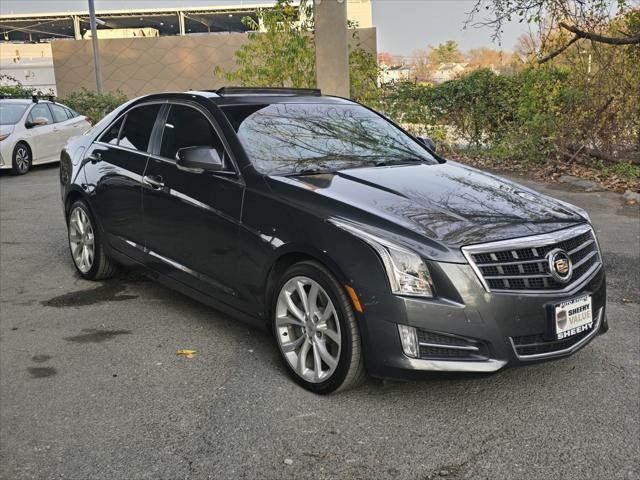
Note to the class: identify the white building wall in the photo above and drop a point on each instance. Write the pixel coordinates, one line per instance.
(30, 64)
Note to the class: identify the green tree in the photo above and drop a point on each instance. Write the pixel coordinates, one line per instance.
(281, 53)
(447, 52)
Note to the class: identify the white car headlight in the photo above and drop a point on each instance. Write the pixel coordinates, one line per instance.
(4, 135)
(407, 273)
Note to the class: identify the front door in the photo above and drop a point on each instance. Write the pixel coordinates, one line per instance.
(43, 138)
(192, 219)
(114, 168)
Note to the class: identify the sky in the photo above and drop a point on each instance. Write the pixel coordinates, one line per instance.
(403, 26)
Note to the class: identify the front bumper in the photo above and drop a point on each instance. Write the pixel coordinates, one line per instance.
(498, 329)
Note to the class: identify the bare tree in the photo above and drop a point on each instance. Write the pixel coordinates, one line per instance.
(582, 19)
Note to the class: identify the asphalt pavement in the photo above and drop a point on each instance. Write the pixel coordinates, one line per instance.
(91, 386)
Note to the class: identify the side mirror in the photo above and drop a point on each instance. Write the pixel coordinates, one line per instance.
(38, 121)
(199, 159)
(428, 142)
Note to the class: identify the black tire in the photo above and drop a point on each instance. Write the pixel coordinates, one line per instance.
(102, 267)
(21, 159)
(350, 370)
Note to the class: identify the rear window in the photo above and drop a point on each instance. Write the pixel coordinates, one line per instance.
(137, 128)
(59, 113)
(71, 113)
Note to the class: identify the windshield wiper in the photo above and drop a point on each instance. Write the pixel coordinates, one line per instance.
(403, 161)
(311, 171)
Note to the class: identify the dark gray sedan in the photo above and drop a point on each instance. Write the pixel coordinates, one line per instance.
(355, 243)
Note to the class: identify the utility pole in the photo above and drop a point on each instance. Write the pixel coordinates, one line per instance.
(94, 41)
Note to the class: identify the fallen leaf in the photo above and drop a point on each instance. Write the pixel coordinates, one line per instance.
(186, 352)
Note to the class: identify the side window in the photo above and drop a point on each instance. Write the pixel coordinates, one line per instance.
(40, 111)
(111, 134)
(187, 127)
(138, 124)
(59, 113)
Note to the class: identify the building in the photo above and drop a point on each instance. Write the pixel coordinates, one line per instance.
(448, 71)
(142, 50)
(28, 64)
(395, 73)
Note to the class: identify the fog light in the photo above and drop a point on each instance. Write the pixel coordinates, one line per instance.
(409, 339)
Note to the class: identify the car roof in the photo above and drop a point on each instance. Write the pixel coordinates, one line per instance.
(258, 96)
(23, 101)
(17, 100)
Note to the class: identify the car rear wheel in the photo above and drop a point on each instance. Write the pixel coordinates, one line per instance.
(316, 330)
(21, 161)
(86, 249)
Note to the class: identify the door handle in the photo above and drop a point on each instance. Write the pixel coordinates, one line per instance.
(154, 181)
(95, 157)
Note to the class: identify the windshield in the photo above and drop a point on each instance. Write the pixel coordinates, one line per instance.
(11, 113)
(289, 138)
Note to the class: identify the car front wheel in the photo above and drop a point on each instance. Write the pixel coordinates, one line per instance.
(86, 249)
(316, 330)
(21, 161)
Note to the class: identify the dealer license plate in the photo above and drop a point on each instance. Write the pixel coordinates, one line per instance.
(573, 316)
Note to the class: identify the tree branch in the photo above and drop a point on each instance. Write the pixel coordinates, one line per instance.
(594, 37)
(557, 52)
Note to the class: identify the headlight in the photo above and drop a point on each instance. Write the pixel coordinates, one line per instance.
(3, 136)
(407, 273)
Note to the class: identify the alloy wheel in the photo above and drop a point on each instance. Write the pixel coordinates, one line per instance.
(81, 239)
(308, 329)
(22, 159)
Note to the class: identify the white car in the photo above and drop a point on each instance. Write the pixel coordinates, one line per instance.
(33, 132)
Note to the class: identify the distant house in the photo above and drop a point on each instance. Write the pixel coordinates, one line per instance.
(395, 73)
(448, 71)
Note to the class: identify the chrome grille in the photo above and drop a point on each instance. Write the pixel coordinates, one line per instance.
(520, 265)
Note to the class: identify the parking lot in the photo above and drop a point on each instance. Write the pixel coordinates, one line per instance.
(91, 386)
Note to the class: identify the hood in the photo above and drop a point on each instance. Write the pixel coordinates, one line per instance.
(6, 129)
(448, 203)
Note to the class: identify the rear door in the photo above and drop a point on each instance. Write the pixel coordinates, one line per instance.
(64, 126)
(114, 168)
(192, 219)
(42, 138)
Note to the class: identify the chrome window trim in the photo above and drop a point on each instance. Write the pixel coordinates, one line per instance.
(533, 241)
(565, 351)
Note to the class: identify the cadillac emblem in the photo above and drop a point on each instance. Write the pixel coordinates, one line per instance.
(560, 266)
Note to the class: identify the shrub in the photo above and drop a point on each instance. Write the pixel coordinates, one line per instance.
(92, 104)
